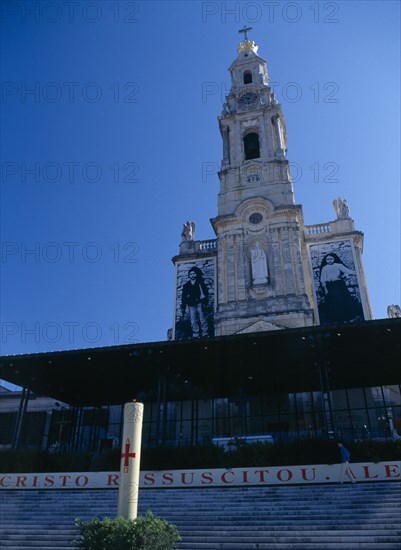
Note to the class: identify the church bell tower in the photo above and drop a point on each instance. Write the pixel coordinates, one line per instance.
(265, 270)
(261, 268)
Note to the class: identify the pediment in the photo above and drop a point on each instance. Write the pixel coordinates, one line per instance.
(260, 326)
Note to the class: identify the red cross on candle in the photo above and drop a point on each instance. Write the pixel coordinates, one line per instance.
(127, 455)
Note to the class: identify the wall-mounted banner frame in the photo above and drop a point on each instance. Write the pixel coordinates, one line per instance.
(336, 282)
(194, 303)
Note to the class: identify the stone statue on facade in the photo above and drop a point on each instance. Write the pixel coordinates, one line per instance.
(188, 232)
(394, 311)
(259, 265)
(341, 208)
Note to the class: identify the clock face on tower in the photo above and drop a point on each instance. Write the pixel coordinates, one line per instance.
(248, 98)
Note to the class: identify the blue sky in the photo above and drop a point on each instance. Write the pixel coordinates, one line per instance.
(110, 141)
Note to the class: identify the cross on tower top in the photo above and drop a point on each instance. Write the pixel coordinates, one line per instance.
(245, 30)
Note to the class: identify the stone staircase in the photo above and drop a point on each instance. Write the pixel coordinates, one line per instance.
(366, 515)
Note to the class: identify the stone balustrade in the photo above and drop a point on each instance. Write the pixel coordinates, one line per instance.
(196, 247)
(317, 229)
(206, 245)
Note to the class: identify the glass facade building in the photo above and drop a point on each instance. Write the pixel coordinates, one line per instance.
(293, 384)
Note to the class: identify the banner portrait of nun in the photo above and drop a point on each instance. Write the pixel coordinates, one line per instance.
(336, 284)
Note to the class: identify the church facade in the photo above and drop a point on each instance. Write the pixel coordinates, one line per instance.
(266, 270)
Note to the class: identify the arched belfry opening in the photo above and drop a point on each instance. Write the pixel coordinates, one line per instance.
(247, 77)
(251, 146)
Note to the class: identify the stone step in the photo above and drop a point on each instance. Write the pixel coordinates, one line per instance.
(52, 536)
(250, 541)
(216, 505)
(360, 499)
(215, 512)
(296, 537)
(340, 517)
(35, 547)
(38, 545)
(207, 518)
(310, 500)
(256, 516)
(247, 545)
(312, 534)
(230, 518)
(244, 542)
(245, 494)
(212, 508)
(261, 526)
(9, 534)
(287, 546)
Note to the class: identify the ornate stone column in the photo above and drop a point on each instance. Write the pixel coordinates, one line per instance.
(226, 144)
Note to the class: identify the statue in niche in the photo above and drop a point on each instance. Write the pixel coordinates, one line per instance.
(279, 135)
(188, 232)
(259, 265)
(394, 311)
(341, 208)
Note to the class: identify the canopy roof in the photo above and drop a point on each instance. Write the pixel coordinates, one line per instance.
(284, 361)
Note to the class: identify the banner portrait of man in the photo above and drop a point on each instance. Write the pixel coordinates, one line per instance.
(195, 299)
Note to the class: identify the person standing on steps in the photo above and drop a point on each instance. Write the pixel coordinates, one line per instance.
(345, 459)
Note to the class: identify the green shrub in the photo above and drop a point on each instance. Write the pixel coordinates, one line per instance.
(143, 533)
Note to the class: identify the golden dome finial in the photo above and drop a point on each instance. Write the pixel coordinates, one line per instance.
(247, 45)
